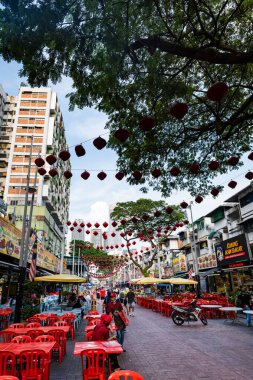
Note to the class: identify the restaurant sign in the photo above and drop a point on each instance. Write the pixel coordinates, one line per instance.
(207, 261)
(179, 263)
(233, 252)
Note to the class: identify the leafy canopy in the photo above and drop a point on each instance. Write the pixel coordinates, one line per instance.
(132, 58)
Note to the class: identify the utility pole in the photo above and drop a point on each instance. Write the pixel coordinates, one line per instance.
(78, 270)
(23, 248)
(194, 254)
(73, 257)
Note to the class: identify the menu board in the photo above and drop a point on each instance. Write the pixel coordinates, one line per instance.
(207, 261)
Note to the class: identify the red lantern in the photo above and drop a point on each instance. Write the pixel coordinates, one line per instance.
(89, 225)
(71, 228)
(194, 168)
(119, 175)
(51, 159)
(68, 223)
(75, 224)
(116, 246)
(147, 123)
(249, 176)
(123, 221)
(67, 174)
(175, 171)
(128, 244)
(85, 175)
(129, 233)
(122, 134)
(53, 172)
(145, 217)
(137, 175)
(232, 184)
(157, 214)
(213, 165)
(122, 245)
(198, 199)
(114, 224)
(95, 233)
(99, 143)
(169, 210)
(111, 247)
(158, 235)
(96, 225)
(64, 155)
(87, 232)
(122, 234)
(82, 225)
(186, 221)
(156, 173)
(107, 247)
(113, 234)
(42, 171)
(215, 191)
(149, 231)
(159, 229)
(134, 242)
(39, 162)
(184, 204)
(134, 219)
(80, 151)
(250, 156)
(181, 224)
(179, 110)
(105, 224)
(102, 176)
(79, 230)
(217, 91)
(232, 161)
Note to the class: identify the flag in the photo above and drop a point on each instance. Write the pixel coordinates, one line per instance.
(32, 271)
(190, 274)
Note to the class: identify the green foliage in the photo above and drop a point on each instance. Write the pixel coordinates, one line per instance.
(135, 58)
(28, 311)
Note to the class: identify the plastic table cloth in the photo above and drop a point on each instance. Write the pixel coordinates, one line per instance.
(110, 347)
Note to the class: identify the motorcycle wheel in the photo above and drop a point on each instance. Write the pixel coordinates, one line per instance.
(203, 319)
(177, 319)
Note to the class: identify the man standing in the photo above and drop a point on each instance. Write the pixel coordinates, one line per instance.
(131, 302)
(115, 309)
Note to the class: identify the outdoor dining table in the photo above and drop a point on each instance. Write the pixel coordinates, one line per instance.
(44, 329)
(17, 348)
(211, 306)
(92, 316)
(110, 347)
(248, 313)
(112, 327)
(229, 309)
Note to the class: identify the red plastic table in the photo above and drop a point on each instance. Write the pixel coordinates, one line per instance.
(92, 316)
(44, 329)
(112, 327)
(16, 348)
(111, 347)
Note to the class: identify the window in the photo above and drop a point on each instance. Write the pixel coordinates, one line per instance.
(247, 199)
(14, 203)
(217, 215)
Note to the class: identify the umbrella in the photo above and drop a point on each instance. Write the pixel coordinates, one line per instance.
(70, 278)
(149, 280)
(180, 281)
(136, 280)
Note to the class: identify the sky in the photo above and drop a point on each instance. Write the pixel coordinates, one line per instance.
(89, 199)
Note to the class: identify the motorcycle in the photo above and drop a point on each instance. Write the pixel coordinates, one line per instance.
(193, 313)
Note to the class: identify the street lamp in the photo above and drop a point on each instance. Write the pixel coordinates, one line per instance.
(194, 253)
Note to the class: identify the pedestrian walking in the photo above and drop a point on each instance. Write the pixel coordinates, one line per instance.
(115, 309)
(130, 302)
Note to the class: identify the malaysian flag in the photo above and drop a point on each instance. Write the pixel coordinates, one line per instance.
(32, 271)
(190, 274)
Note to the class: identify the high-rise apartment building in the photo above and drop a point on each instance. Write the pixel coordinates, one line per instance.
(38, 121)
(96, 239)
(75, 235)
(116, 240)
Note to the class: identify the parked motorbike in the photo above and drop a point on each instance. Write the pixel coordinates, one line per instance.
(192, 313)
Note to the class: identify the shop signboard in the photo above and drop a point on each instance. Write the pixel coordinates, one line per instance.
(233, 252)
(179, 263)
(207, 261)
(10, 238)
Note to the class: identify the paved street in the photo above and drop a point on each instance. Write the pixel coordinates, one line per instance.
(159, 350)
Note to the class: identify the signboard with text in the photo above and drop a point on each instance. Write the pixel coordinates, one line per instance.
(233, 252)
(179, 263)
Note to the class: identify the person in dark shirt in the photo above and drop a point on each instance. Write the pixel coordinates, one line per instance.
(106, 301)
(131, 302)
(101, 332)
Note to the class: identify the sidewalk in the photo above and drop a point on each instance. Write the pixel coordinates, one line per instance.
(160, 350)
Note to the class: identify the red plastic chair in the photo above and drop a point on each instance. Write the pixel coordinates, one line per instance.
(93, 313)
(125, 375)
(8, 378)
(44, 338)
(33, 325)
(6, 336)
(17, 326)
(93, 364)
(33, 364)
(60, 323)
(51, 320)
(71, 323)
(21, 339)
(60, 342)
(89, 336)
(34, 333)
(8, 363)
(33, 320)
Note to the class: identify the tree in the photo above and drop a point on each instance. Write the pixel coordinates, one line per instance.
(135, 58)
(147, 220)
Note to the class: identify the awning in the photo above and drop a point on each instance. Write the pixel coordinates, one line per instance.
(67, 278)
(212, 234)
(209, 272)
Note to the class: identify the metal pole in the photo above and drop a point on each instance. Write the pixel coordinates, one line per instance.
(194, 254)
(22, 265)
(62, 247)
(78, 270)
(30, 222)
(73, 257)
